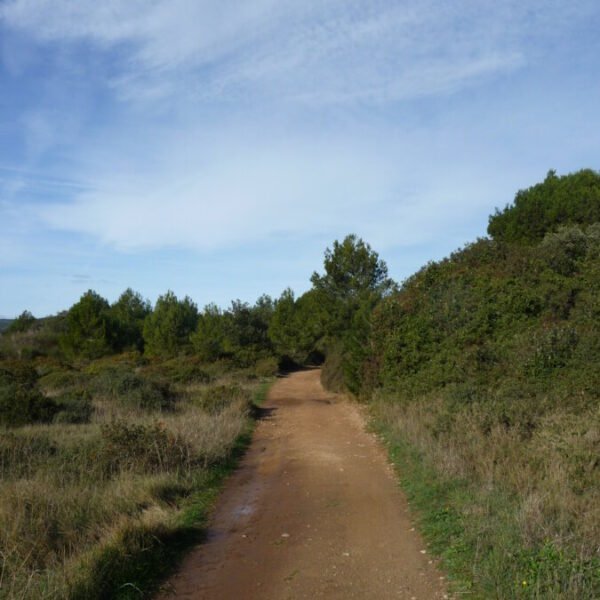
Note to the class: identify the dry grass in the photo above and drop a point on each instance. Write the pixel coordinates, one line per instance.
(513, 510)
(69, 490)
(552, 472)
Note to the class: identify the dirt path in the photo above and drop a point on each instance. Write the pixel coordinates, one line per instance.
(313, 512)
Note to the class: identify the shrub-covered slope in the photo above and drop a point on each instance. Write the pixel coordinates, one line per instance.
(570, 199)
(487, 364)
(495, 313)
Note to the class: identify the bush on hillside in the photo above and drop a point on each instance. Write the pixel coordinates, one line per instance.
(132, 390)
(21, 402)
(168, 328)
(91, 331)
(570, 199)
(141, 448)
(73, 407)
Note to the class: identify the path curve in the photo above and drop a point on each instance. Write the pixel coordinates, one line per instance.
(314, 511)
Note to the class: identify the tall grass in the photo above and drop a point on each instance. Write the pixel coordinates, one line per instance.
(81, 503)
(515, 514)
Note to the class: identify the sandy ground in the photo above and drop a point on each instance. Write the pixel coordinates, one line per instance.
(313, 512)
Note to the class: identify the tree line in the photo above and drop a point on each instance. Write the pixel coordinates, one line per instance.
(293, 329)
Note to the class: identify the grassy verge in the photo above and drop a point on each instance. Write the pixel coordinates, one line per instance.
(135, 565)
(103, 502)
(476, 533)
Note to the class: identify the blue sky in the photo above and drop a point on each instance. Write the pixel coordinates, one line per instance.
(216, 147)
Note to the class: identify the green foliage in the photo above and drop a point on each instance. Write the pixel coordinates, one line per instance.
(247, 337)
(141, 448)
(355, 281)
(24, 322)
(239, 333)
(90, 330)
(354, 275)
(209, 338)
(59, 380)
(21, 402)
(74, 406)
(488, 312)
(351, 269)
(568, 200)
(129, 313)
(41, 339)
(168, 328)
(296, 327)
(132, 390)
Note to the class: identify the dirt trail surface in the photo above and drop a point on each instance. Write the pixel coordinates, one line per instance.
(313, 512)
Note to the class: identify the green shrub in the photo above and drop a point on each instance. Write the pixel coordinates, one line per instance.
(266, 367)
(564, 248)
(142, 448)
(21, 402)
(168, 328)
(183, 370)
(568, 200)
(132, 390)
(19, 406)
(90, 329)
(552, 349)
(60, 380)
(332, 372)
(22, 323)
(74, 407)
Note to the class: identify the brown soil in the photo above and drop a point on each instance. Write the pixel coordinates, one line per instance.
(313, 512)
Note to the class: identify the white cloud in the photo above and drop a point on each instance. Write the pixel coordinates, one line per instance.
(239, 192)
(249, 188)
(330, 52)
(199, 180)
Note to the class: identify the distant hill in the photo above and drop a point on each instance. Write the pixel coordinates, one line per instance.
(4, 323)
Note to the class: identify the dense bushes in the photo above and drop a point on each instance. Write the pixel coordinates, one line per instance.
(90, 329)
(131, 390)
(74, 406)
(485, 366)
(22, 323)
(239, 334)
(21, 402)
(139, 447)
(39, 338)
(73, 489)
(168, 328)
(571, 199)
(488, 312)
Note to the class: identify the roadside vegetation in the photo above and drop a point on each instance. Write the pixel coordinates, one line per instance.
(111, 453)
(483, 374)
(480, 371)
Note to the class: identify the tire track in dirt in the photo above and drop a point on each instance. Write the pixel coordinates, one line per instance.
(314, 511)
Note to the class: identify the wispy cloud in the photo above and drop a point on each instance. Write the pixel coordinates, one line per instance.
(243, 192)
(330, 52)
(201, 127)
